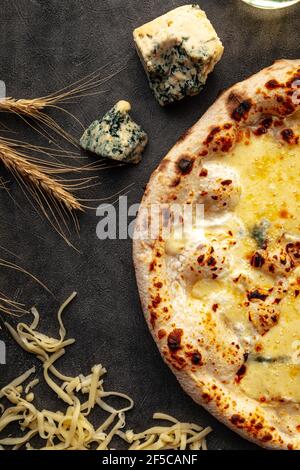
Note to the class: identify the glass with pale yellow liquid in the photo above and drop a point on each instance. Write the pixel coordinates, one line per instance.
(271, 4)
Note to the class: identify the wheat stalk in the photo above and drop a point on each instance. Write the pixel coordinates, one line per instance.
(7, 305)
(34, 108)
(34, 174)
(51, 196)
(54, 198)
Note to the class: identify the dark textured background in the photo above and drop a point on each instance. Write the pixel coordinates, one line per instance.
(46, 44)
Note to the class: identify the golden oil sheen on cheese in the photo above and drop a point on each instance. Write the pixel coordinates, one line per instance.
(270, 171)
(266, 381)
(269, 176)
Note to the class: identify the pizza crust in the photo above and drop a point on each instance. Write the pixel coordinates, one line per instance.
(204, 367)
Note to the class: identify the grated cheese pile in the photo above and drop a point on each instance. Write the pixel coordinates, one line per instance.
(71, 429)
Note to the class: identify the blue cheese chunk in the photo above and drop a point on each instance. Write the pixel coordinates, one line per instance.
(178, 51)
(116, 136)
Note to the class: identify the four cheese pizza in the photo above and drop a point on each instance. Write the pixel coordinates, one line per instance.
(223, 300)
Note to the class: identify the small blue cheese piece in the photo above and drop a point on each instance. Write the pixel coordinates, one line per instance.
(178, 51)
(116, 136)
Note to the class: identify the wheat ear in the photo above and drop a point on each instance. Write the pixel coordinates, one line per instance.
(48, 195)
(33, 109)
(18, 165)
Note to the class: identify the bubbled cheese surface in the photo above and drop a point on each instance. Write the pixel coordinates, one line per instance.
(256, 300)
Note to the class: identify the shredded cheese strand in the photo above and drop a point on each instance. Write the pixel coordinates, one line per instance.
(18, 381)
(31, 385)
(72, 430)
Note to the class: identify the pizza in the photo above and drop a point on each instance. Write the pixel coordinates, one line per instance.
(222, 297)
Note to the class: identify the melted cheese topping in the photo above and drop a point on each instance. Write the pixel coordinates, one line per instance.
(272, 381)
(270, 175)
(256, 298)
(270, 178)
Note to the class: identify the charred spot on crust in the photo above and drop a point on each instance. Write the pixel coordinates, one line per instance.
(175, 182)
(257, 260)
(212, 134)
(237, 420)
(295, 77)
(267, 122)
(153, 318)
(200, 259)
(272, 84)
(206, 397)
(264, 126)
(289, 136)
(293, 246)
(211, 261)
(234, 98)
(156, 301)
(258, 426)
(178, 362)
(203, 172)
(161, 334)
(282, 94)
(152, 265)
(293, 249)
(222, 141)
(226, 143)
(272, 268)
(286, 107)
(284, 214)
(241, 111)
(196, 358)
(226, 182)
(185, 165)
(158, 285)
(267, 437)
(256, 294)
(174, 339)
